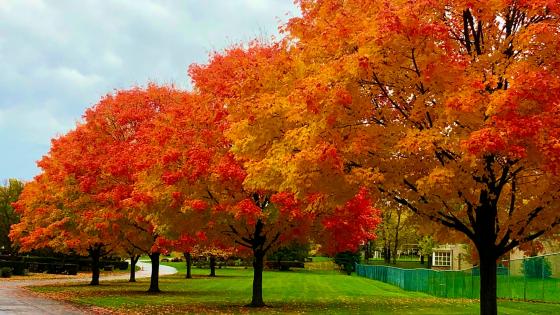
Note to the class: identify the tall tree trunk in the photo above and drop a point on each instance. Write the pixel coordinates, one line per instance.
(95, 254)
(212, 266)
(387, 258)
(188, 259)
(258, 266)
(487, 251)
(154, 278)
(396, 245)
(368, 251)
(488, 285)
(421, 259)
(133, 261)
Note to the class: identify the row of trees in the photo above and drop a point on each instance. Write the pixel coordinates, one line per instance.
(447, 108)
(150, 170)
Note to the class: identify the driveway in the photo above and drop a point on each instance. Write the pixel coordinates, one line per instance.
(14, 299)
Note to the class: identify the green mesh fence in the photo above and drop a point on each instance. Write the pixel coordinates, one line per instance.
(530, 279)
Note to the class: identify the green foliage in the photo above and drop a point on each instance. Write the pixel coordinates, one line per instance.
(17, 267)
(291, 252)
(9, 192)
(5, 272)
(427, 245)
(536, 267)
(321, 259)
(347, 261)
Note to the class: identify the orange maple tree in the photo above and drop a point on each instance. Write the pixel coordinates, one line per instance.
(94, 170)
(253, 211)
(449, 108)
(120, 128)
(57, 214)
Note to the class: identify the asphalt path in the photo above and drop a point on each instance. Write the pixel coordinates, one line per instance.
(15, 299)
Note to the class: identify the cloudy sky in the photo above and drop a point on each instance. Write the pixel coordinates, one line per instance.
(58, 57)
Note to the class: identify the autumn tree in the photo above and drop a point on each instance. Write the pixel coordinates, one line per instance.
(446, 107)
(198, 184)
(254, 212)
(119, 131)
(134, 255)
(9, 193)
(398, 225)
(185, 244)
(201, 245)
(215, 252)
(92, 171)
(426, 244)
(56, 214)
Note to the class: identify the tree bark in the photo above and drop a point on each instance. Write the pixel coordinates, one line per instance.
(258, 266)
(421, 259)
(154, 278)
(368, 251)
(488, 253)
(95, 254)
(488, 282)
(212, 266)
(133, 261)
(387, 257)
(396, 242)
(188, 259)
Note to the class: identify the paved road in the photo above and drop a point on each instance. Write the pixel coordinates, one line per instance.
(14, 299)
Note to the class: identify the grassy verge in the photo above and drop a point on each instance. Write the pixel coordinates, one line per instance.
(312, 292)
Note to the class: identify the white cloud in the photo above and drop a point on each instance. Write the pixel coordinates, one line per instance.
(59, 57)
(32, 126)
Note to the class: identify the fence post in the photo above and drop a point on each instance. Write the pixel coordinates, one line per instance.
(453, 283)
(524, 281)
(542, 275)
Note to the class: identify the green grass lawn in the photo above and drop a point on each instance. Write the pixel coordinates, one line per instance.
(311, 292)
(320, 259)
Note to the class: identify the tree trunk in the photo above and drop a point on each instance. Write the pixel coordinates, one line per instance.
(421, 259)
(188, 259)
(258, 266)
(485, 229)
(95, 254)
(396, 242)
(154, 278)
(133, 261)
(368, 251)
(212, 266)
(387, 254)
(488, 285)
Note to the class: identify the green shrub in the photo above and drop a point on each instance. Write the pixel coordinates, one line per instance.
(122, 265)
(347, 261)
(71, 269)
(18, 268)
(291, 252)
(536, 267)
(292, 255)
(5, 272)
